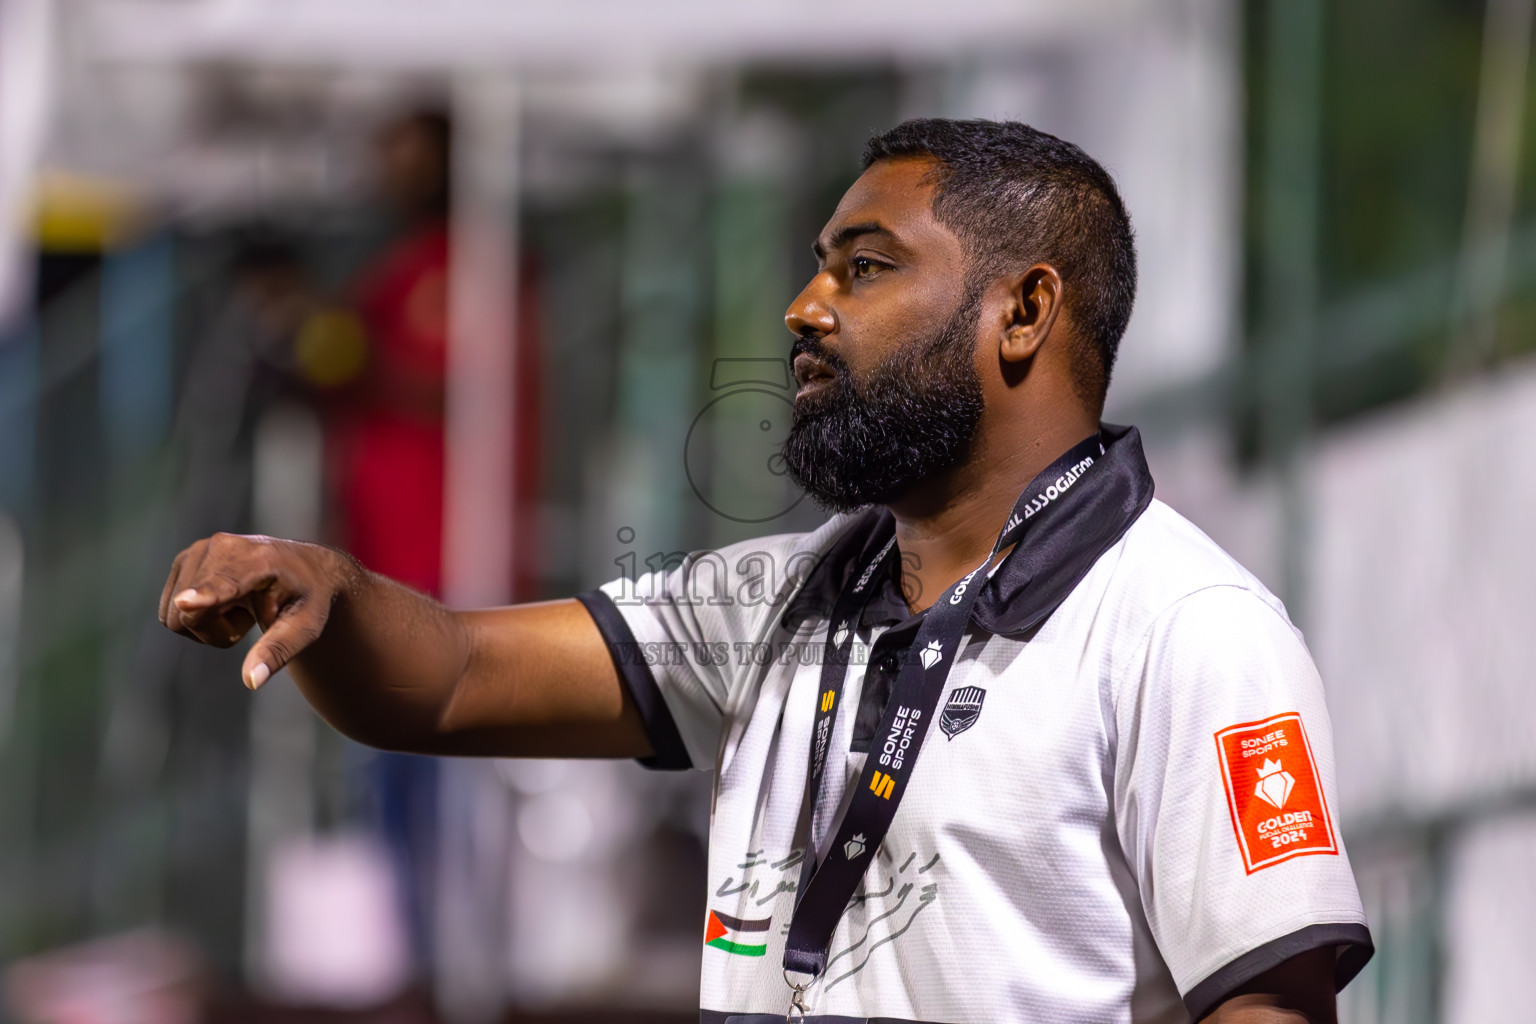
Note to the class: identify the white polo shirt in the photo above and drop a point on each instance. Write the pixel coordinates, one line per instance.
(1124, 814)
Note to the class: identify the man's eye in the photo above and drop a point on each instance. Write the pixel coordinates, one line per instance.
(863, 266)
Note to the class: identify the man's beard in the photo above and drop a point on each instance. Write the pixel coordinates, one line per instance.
(912, 418)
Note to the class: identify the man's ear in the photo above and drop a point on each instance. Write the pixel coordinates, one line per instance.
(1034, 300)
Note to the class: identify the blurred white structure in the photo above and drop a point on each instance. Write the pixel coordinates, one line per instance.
(581, 34)
(334, 934)
(26, 85)
(1424, 564)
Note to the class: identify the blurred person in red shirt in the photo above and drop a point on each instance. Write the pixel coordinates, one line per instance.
(387, 429)
(384, 368)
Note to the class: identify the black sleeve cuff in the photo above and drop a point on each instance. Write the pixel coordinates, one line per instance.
(1353, 942)
(666, 741)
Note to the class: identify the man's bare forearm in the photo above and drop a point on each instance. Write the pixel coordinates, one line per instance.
(395, 669)
(387, 664)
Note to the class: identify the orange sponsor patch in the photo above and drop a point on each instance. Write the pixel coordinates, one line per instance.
(1273, 792)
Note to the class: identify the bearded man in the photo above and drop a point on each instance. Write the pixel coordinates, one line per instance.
(1125, 811)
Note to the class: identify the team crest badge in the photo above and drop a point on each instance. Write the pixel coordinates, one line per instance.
(961, 710)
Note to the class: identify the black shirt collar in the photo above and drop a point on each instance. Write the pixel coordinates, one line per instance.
(1033, 579)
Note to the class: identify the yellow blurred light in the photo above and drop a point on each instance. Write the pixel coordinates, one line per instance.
(331, 348)
(83, 213)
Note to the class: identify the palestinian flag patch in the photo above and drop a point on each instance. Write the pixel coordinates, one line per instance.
(732, 934)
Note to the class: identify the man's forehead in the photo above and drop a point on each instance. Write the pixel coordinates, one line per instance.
(896, 194)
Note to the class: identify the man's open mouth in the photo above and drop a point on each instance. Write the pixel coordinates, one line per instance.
(812, 374)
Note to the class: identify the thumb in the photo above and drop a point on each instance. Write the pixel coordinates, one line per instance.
(290, 633)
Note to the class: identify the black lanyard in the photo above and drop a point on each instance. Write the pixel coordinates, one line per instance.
(825, 888)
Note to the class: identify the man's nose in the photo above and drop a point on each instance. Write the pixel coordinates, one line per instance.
(811, 313)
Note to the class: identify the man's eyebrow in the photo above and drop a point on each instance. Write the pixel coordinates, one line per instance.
(847, 233)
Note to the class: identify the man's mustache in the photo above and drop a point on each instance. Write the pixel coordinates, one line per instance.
(811, 346)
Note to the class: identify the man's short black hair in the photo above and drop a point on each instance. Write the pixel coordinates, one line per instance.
(1017, 196)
